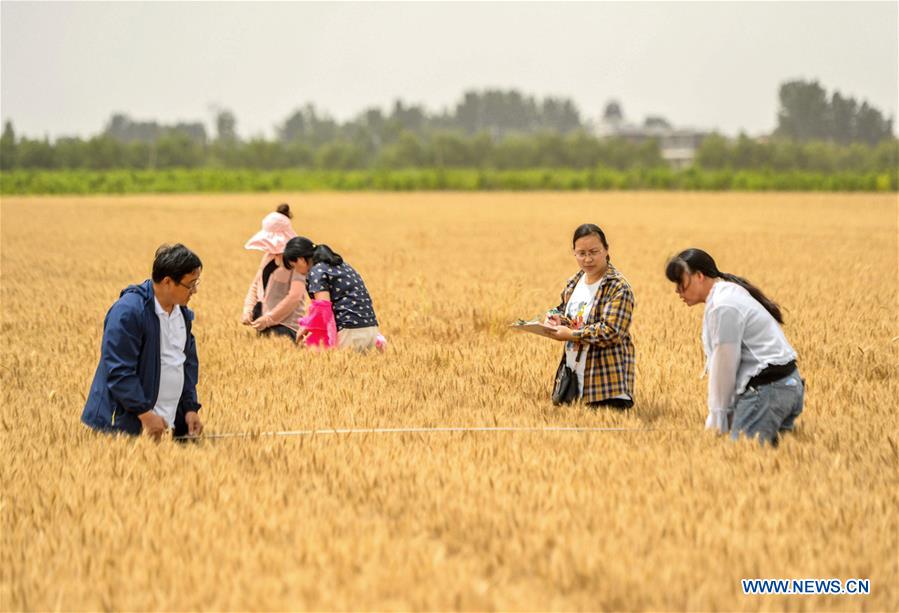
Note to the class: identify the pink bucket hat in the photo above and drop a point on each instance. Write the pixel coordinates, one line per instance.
(276, 231)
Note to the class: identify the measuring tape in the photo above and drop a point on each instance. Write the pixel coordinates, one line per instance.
(446, 429)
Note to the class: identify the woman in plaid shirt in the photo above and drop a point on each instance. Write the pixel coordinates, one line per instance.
(594, 320)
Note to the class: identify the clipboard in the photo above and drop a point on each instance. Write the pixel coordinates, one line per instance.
(534, 327)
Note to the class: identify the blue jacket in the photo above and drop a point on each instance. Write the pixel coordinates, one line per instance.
(126, 383)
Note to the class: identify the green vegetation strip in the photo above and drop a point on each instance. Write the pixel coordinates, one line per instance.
(26, 182)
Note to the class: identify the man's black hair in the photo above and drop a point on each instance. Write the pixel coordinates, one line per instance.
(174, 261)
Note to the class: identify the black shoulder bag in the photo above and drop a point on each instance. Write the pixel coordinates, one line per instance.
(565, 390)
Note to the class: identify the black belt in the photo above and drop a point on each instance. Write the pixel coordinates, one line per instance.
(772, 373)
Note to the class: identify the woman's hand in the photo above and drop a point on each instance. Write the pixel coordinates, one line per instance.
(262, 323)
(302, 333)
(563, 333)
(246, 319)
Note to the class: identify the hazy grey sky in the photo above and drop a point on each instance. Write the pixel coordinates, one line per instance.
(65, 67)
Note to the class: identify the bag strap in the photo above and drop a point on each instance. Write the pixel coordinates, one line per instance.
(580, 350)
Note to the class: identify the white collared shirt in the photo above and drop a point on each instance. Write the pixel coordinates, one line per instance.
(740, 339)
(172, 340)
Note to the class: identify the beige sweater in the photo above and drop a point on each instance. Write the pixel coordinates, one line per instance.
(283, 301)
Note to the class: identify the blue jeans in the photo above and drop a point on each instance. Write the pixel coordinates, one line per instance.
(768, 410)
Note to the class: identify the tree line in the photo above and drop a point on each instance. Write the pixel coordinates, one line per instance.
(808, 113)
(499, 130)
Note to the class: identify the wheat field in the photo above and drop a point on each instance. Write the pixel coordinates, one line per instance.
(658, 517)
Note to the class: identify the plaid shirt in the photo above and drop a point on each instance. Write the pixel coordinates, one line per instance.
(609, 370)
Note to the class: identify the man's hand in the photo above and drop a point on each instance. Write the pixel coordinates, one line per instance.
(563, 333)
(194, 425)
(152, 424)
(552, 319)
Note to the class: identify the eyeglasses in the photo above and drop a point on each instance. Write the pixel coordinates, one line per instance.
(192, 287)
(583, 255)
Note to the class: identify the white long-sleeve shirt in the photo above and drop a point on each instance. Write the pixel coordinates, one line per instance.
(172, 342)
(740, 339)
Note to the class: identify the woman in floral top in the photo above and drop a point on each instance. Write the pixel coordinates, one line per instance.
(593, 320)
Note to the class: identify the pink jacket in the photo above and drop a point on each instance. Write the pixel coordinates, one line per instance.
(284, 299)
(320, 323)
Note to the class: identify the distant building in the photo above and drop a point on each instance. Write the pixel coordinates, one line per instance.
(677, 145)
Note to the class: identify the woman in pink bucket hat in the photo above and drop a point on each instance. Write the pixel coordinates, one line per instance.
(275, 300)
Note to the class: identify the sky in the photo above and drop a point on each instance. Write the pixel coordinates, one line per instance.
(65, 68)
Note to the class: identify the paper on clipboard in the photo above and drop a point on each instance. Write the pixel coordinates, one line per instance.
(534, 327)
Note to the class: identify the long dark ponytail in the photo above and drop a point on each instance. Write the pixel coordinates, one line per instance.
(697, 260)
(302, 247)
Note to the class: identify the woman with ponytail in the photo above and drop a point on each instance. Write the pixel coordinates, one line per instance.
(754, 385)
(275, 299)
(329, 278)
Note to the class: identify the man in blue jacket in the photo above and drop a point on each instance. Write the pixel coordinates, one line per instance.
(147, 377)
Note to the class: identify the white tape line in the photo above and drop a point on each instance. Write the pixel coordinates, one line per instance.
(426, 430)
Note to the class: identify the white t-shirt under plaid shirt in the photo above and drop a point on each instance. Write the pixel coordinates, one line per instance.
(577, 310)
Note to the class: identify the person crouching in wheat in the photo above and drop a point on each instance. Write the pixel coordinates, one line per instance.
(275, 299)
(146, 381)
(754, 385)
(593, 320)
(337, 289)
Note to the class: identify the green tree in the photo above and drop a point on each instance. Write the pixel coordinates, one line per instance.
(584, 150)
(452, 150)
(71, 153)
(804, 111)
(103, 153)
(225, 127)
(871, 127)
(339, 156)
(559, 115)
(35, 154)
(515, 152)
(299, 155)
(843, 117)
(747, 154)
(305, 124)
(407, 152)
(713, 153)
(552, 151)
(178, 150)
(481, 148)
(8, 147)
(264, 155)
(408, 118)
(806, 114)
